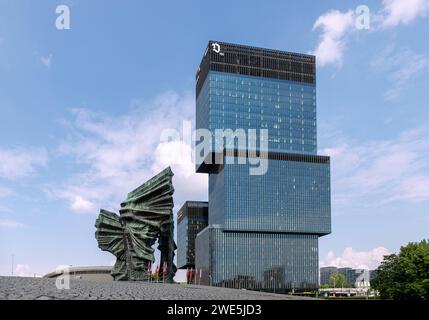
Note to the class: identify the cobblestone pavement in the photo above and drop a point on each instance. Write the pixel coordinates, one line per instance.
(17, 288)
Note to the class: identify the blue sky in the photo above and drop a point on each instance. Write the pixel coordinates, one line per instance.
(82, 110)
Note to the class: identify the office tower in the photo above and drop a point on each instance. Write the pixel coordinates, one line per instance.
(263, 228)
(191, 219)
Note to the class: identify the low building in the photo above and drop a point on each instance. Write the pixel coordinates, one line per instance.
(325, 274)
(362, 279)
(349, 274)
(358, 278)
(372, 274)
(85, 273)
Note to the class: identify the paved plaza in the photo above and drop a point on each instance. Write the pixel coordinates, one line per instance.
(17, 288)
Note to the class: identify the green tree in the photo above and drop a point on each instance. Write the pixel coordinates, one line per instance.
(338, 280)
(404, 275)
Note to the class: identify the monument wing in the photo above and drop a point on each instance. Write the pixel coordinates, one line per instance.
(110, 233)
(145, 216)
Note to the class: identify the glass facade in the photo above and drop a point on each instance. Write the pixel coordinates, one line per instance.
(293, 196)
(325, 274)
(286, 108)
(191, 219)
(263, 229)
(357, 278)
(276, 262)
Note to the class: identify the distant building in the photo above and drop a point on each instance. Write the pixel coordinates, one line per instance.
(362, 279)
(191, 219)
(325, 274)
(85, 273)
(349, 274)
(372, 274)
(358, 278)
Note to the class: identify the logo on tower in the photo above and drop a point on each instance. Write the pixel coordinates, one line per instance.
(216, 48)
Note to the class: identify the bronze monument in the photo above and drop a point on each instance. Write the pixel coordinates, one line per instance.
(146, 216)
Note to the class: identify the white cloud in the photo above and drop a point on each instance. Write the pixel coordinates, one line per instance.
(380, 172)
(22, 270)
(334, 26)
(397, 12)
(80, 204)
(10, 224)
(46, 60)
(62, 267)
(355, 259)
(414, 188)
(6, 192)
(178, 155)
(20, 162)
(120, 153)
(4, 209)
(402, 65)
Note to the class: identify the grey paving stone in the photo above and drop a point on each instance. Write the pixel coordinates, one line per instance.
(45, 289)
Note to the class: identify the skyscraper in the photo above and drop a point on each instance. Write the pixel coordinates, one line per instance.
(263, 228)
(191, 219)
